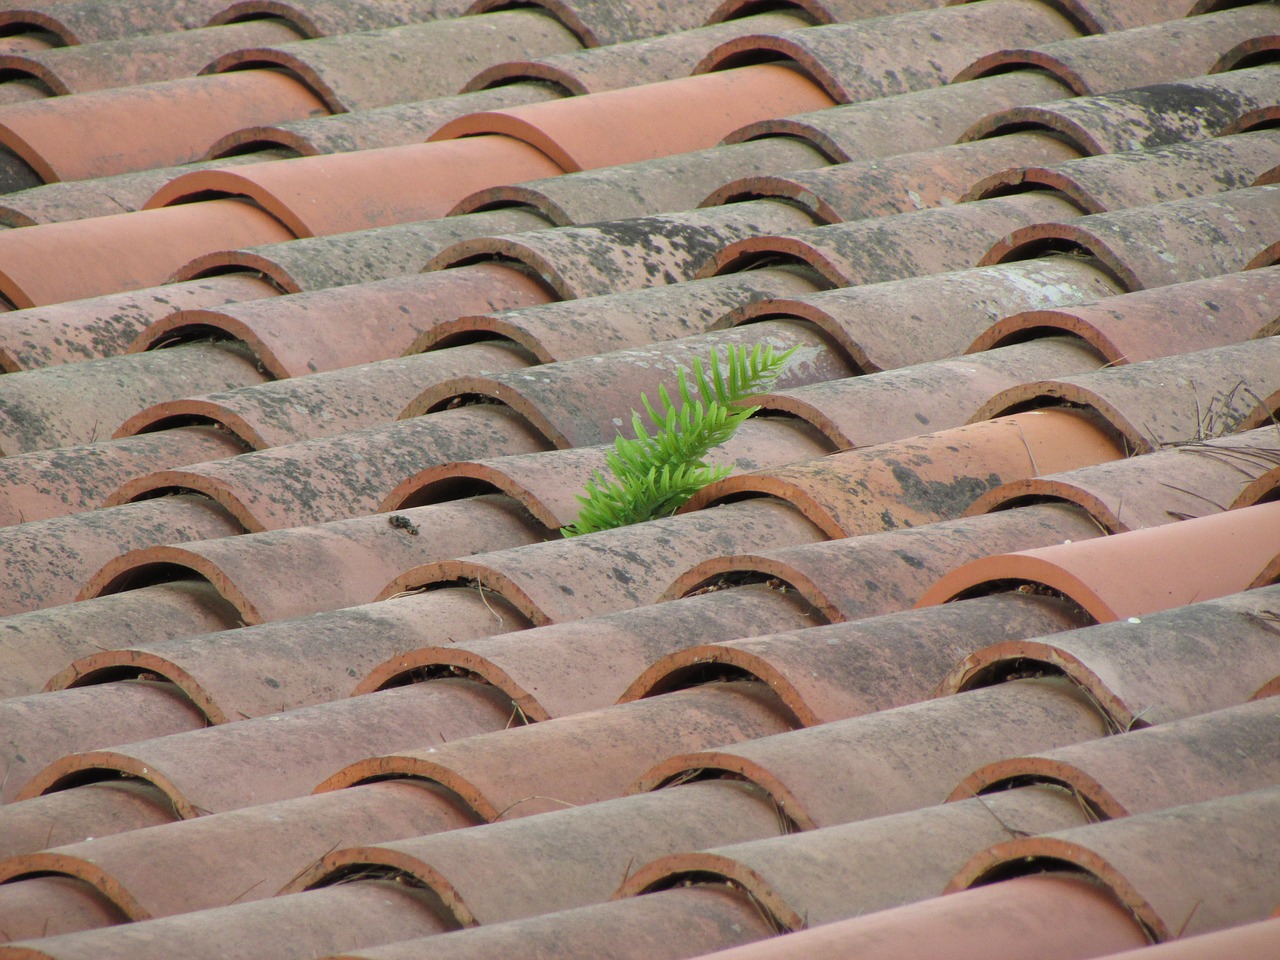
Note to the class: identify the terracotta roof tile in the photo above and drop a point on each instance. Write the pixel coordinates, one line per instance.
(77, 330)
(311, 332)
(48, 561)
(863, 60)
(1125, 669)
(359, 71)
(390, 126)
(989, 922)
(40, 411)
(906, 245)
(1180, 872)
(917, 752)
(662, 57)
(106, 132)
(1250, 941)
(149, 59)
(906, 483)
(1179, 318)
(885, 572)
(950, 307)
(1190, 479)
(55, 483)
(361, 256)
(1138, 56)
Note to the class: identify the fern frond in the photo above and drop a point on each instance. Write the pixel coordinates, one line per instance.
(662, 466)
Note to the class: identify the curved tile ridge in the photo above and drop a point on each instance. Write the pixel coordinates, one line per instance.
(1144, 177)
(44, 409)
(1125, 667)
(277, 575)
(1185, 480)
(907, 122)
(1146, 324)
(1189, 870)
(330, 478)
(1216, 754)
(137, 60)
(106, 132)
(896, 247)
(626, 64)
(863, 59)
(618, 255)
(637, 123)
(86, 21)
(581, 759)
(301, 333)
(395, 125)
(367, 188)
(359, 256)
(819, 877)
(55, 483)
(196, 769)
(46, 560)
(343, 917)
(647, 187)
(605, 22)
(326, 404)
(124, 711)
(936, 314)
(924, 479)
(40, 643)
(885, 572)
(1247, 941)
(547, 484)
(909, 756)
(322, 18)
(555, 671)
(79, 330)
(1201, 237)
(910, 181)
(105, 196)
(555, 581)
(260, 670)
(584, 850)
(1185, 397)
(588, 400)
(1135, 56)
(844, 670)
(934, 395)
(144, 249)
(138, 862)
(1149, 116)
(1116, 577)
(1006, 920)
(376, 68)
(570, 329)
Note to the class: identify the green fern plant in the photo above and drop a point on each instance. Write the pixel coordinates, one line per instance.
(656, 472)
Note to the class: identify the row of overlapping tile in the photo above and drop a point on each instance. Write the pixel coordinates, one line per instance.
(319, 463)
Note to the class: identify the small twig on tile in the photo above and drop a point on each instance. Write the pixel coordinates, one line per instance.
(1192, 493)
(314, 863)
(236, 899)
(1035, 470)
(1090, 814)
(485, 600)
(516, 711)
(511, 806)
(1012, 831)
(1138, 716)
(1187, 922)
(626, 874)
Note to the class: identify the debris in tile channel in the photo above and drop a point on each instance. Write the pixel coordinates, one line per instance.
(317, 317)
